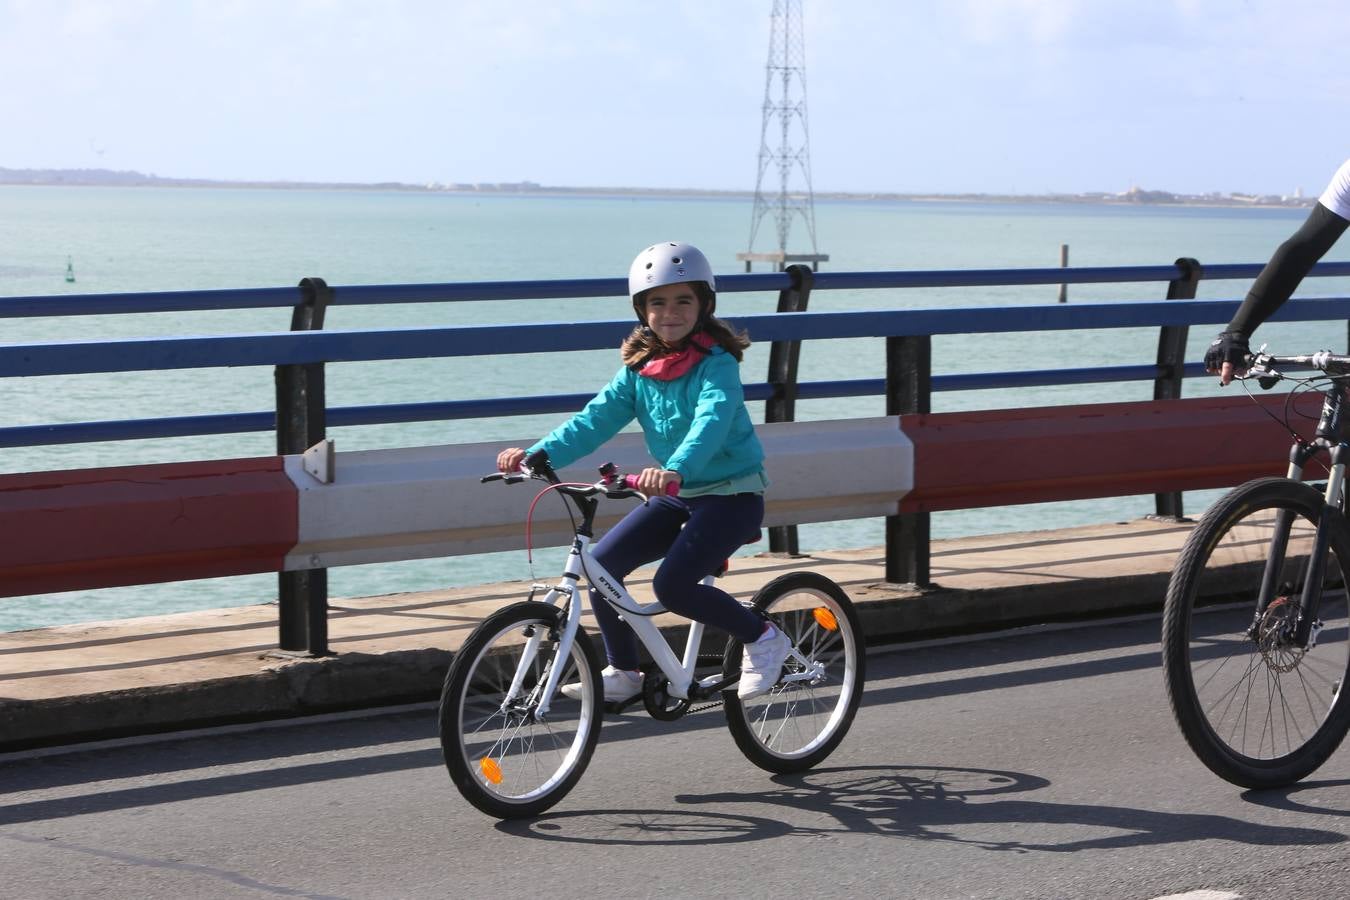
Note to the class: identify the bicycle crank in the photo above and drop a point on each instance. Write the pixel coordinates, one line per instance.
(657, 700)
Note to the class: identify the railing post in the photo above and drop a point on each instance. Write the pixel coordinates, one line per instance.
(301, 423)
(909, 389)
(782, 406)
(1172, 362)
(1063, 264)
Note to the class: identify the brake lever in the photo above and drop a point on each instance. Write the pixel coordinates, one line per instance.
(1259, 368)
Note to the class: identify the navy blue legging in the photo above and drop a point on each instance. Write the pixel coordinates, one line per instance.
(695, 535)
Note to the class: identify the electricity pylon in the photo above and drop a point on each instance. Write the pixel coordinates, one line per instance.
(784, 122)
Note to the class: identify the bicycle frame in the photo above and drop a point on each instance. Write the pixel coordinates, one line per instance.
(582, 564)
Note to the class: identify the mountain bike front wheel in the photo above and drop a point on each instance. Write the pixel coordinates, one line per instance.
(1256, 708)
(504, 756)
(802, 719)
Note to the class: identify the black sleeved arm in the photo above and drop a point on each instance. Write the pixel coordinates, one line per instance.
(1293, 260)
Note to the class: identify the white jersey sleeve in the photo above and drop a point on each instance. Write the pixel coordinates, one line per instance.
(1337, 195)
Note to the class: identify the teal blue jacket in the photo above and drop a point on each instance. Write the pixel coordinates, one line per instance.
(696, 425)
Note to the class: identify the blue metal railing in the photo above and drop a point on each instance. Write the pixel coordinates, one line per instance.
(363, 295)
(304, 347)
(316, 347)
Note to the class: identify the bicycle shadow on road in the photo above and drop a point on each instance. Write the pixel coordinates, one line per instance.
(977, 807)
(1329, 798)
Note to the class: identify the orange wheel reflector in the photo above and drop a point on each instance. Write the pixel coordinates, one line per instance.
(825, 619)
(491, 771)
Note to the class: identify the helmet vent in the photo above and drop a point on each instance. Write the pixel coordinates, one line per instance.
(676, 260)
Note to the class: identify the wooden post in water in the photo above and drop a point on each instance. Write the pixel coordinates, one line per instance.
(1063, 264)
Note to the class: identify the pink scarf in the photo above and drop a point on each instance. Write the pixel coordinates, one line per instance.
(676, 363)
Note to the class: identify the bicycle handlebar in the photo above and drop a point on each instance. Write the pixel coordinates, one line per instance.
(1322, 359)
(626, 486)
(1261, 365)
(672, 488)
(508, 477)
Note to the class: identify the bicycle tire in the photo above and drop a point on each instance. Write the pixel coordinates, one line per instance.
(1256, 710)
(797, 724)
(505, 761)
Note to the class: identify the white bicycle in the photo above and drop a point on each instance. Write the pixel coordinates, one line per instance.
(515, 744)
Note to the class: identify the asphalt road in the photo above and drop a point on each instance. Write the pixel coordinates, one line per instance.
(1038, 764)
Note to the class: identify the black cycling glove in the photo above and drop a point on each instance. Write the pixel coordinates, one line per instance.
(1228, 347)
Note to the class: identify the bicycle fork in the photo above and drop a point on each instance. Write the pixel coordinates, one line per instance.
(1308, 624)
(562, 651)
(1301, 629)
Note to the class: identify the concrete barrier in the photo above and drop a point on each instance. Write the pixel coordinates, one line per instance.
(103, 527)
(95, 528)
(428, 501)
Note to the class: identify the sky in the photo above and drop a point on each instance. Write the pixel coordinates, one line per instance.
(907, 96)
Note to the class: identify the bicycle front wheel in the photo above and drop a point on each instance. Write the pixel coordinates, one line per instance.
(1257, 709)
(802, 719)
(507, 758)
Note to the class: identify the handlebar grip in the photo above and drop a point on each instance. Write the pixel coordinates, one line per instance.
(631, 481)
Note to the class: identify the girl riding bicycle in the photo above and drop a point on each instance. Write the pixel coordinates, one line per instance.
(681, 380)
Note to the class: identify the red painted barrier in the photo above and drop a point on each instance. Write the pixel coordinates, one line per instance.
(88, 528)
(966, 460)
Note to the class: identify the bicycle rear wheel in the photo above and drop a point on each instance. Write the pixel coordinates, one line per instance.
(801, 720)
(1259, 711)
(503, 756)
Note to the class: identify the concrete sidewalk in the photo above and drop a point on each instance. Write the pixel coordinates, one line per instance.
(160, 673)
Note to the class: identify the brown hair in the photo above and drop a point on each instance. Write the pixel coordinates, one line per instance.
(642, 345)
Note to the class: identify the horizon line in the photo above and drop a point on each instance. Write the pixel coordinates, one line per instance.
(101, 177)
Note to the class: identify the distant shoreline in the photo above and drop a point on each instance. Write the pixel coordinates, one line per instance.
(1133, 197)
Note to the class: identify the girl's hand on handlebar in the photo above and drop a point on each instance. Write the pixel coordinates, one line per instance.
(509, 460)
(653, 481)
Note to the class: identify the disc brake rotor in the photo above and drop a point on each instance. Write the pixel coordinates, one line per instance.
(1274, 634)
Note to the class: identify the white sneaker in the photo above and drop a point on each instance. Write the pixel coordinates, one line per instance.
(619, 685)
(762, 663)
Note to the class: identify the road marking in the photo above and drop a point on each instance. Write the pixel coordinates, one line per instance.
(1202, 895)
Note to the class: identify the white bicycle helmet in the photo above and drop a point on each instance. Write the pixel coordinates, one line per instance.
(670, 262)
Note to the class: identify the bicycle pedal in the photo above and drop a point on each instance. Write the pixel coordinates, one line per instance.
(619, 707)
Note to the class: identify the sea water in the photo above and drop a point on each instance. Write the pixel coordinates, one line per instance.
(159, 239)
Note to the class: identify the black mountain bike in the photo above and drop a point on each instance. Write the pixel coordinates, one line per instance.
(1255, 643)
